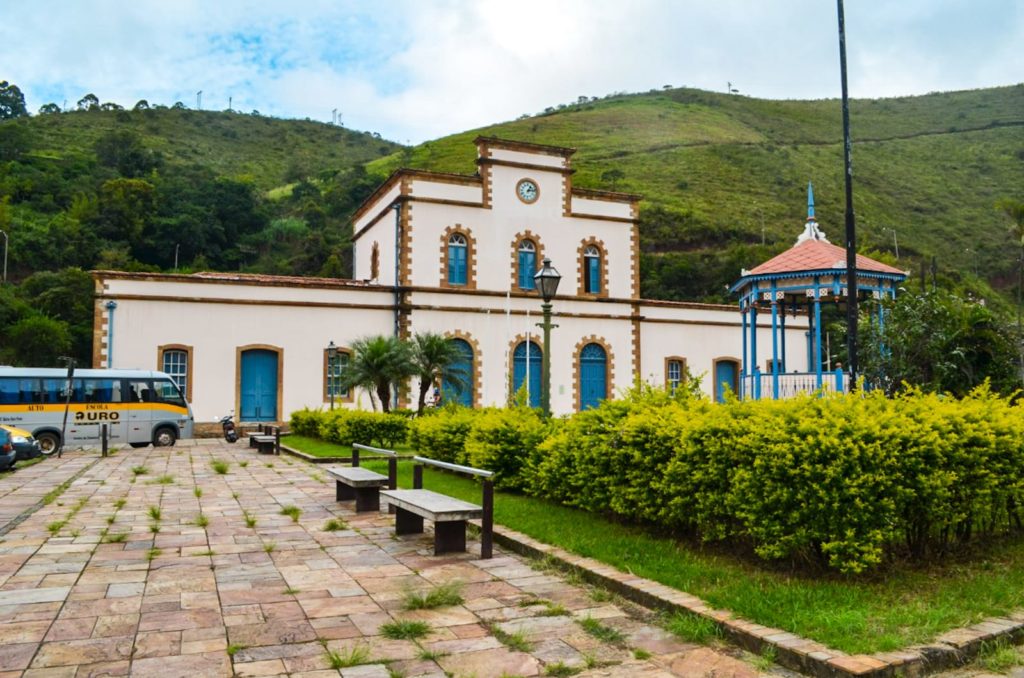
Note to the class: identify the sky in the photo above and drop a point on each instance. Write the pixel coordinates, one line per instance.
(414, 70)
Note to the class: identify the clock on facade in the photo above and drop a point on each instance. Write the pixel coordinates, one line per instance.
(527, 191)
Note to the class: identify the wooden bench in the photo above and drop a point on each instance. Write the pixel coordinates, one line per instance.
(362, 484)
(449, 515)
(267, 440)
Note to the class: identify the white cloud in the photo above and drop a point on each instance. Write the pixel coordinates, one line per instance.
(417, 70)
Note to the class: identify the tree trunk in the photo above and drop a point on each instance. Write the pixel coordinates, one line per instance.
(384, 393)
(424, 387)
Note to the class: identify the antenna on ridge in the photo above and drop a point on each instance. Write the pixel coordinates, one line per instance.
(334, 116)
(199, 100)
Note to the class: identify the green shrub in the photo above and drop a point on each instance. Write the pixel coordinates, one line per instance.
(503, 441)
(442, 435)
(344, 427)
(306, 422)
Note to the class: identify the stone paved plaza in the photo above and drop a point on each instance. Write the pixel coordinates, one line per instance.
(172, 597)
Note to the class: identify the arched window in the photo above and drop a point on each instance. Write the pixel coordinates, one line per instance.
(527, 264)
(592, 270)
(457, 259)
(526, 371)
(176, 360)
(593, 376)
(451, 392)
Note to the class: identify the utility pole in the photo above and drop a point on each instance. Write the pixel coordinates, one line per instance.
(229, 103)
(851, 229)
(199, 100)
(334, 116)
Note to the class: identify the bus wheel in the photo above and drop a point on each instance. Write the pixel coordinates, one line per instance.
(48, 443)
(164, 437)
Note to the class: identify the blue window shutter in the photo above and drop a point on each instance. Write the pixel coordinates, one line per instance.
(456, 265)
(527, 267)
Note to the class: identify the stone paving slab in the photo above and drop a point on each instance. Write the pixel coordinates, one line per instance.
(172, 569)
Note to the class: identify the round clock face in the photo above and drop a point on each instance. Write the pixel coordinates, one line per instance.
(527, 191)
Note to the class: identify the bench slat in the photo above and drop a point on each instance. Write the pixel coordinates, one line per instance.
(356, 476)
(432, 506)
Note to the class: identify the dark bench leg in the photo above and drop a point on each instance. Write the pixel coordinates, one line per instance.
(367, 499)
(449, 537)
(407, 522)
(266, 448)
(343, 492)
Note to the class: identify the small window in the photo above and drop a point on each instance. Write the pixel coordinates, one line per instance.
(674, 372)
(175, 364)
(457, 259)
(592, 270)
(332, 376)
(527, 264)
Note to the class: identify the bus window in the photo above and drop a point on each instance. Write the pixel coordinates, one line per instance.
(139, 392)
(168, 392)
(10, 391)
(52, 391)
(100, 390)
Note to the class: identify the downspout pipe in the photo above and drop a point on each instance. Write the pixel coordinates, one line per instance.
(110, 306)
(398, 294)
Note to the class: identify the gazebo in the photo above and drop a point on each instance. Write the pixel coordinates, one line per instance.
(810, 273)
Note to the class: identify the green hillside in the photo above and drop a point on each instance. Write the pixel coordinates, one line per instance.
(714, 167)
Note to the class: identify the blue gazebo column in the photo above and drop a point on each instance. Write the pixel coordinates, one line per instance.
(754, 372)
(817, 332)
(775, 346)
(743, 365)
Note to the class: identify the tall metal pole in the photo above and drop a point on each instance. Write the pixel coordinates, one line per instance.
(851, 230)
(545, 363)
(5, 255)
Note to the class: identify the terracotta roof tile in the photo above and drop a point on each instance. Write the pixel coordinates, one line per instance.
(813, 255)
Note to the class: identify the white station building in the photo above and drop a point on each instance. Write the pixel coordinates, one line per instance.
(445, 253)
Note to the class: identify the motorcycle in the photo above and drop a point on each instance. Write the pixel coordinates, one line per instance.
(228, 424)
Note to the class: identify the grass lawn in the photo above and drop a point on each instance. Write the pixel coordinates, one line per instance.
(906, 607)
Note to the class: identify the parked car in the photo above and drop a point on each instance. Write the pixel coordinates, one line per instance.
(7, 454)
(25, 446)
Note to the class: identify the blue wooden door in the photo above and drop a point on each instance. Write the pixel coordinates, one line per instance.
(259, 386)
(526, 363)
(725, 378)
(593, 376)
(464, 368)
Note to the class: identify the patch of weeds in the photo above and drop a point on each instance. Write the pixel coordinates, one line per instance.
(693, 628)
(115, 538)
(76, 533)
(243, 464)
(334, 524)
(641, 654)
(553, 610)
(764, 661)
(603, 633)
(601, 596)
(153, 553)
(405, 630)
(430, 655)
(140, 470)
(154, 512)
(154, 528)
(56, 526)
(354, 656)
(198, 491)
(999, 656)
(207, 552)
(291, 592)
(234, 495)
(270, 546)
(119, 504)
(235, 649)
(165, 479)
(561, 669)
(220, 466)
(250, 519)
(514, 641)
(292, 511)
(270, 464)
(52, 495)
(111, 518)
(443, 595)
(201, 520)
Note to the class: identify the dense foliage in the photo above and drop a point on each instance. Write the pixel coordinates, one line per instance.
(345, 427)
(846, 482)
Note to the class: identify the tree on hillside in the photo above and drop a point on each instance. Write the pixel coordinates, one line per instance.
(124, 151)
(377, 364)
(939, 342)
(12, 101)
(49, 109)
(36, 341)
(435, 359)
(90, 102)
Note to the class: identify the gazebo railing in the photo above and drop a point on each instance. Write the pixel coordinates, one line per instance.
(762, 384)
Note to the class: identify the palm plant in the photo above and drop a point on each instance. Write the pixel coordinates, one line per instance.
(376, 364)
(436, 359)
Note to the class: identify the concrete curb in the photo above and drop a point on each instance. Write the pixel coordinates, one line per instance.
(951, 649)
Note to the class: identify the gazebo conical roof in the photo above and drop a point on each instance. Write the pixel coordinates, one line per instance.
(818, 255)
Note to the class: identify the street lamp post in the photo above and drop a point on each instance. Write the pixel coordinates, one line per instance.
(332, 355)
(546, 280)
(4, 233)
